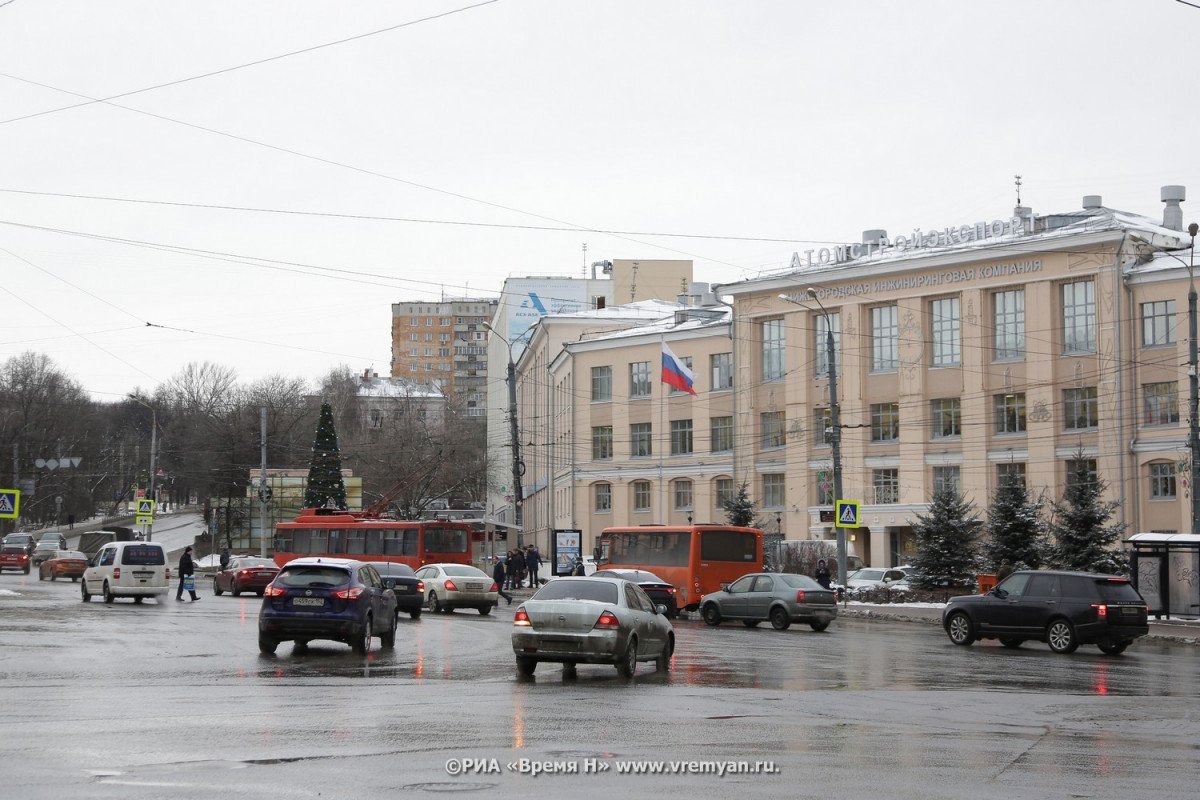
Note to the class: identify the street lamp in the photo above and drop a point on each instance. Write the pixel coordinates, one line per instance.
(835, 424)
(153, 447)
(518, 469)
(1193, 385)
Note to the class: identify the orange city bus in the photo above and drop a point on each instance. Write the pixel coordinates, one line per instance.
(695, 559)
(320, 532)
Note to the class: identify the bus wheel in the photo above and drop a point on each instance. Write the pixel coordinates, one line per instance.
(711, 614)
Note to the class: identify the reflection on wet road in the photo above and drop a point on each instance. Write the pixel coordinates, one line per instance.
(138, 698)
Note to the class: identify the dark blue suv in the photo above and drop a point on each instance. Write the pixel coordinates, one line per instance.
(327, 598)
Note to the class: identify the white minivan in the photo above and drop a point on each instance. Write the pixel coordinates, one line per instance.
(127, 569)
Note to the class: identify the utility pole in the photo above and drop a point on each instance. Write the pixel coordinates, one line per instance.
(1194, 382)
(835, 435)
(153, 449)
(515, 439)
(264, 491)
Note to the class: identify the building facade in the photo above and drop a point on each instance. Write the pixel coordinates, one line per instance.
(445, 344)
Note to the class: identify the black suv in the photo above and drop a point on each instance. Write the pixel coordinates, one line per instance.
(1063, 609)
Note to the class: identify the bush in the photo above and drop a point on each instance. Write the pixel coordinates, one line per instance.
(885, 596)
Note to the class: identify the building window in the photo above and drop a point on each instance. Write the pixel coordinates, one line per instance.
(724, 493)
(722, 371)
(822, 427)
(947, 418)
(885, 339)
(602, 444)
(1080, 410)
(821, 347)
(885, 422)
(886, 483)
(414, 337)
(1160, 403)
(824, 489)
(772, 350)
(601, 384)
(681, 437)
(414, 352)
(1162, 482)
(429, 337)
(640, 440)
(770, 430)
(683, 495)
(1079, 317)
(444, 352)
(639, 379)
(1009, 311)
(1158, 323)
(603, 502)
(947, 333)
(1081, 470)
(1009, 412)
(773, 495)
(1010, 471)
(722, 434)
(641, 495)
(687, 362)
(947, 479)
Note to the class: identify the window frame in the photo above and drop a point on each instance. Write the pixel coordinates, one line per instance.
(639, 378)
(683, 488)
(1081, 408)
(1164, 486)
(1158, 329)
(602, 490)
(1002, 410)
(1008, 325)
(774, 488)
(602, 384)
(945, 410)
(772, 430)
(721, 371)
(1078, 317)
(602, 442)
(721, 433)
(641, 437)
(945, 332)
(885, 423)
(885, 339)
(1160, 403)
(772, 349)
(641, 492)
(683, 441)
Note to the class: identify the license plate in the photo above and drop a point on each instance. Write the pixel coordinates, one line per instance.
(1131, 611)
(308, 601)
(474, 588)
(406, 589)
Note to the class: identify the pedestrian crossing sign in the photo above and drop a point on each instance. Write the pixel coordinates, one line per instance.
(145, 508)
(10, 503)
(846, 514)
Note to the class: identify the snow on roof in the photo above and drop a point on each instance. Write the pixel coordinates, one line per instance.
(640, 309)
(398, 388)
(663, 325)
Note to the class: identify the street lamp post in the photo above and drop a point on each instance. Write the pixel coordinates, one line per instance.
(514, 435)
(153, 449)
(1193, 382)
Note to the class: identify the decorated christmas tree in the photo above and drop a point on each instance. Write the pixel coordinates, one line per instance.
(325, 485)
(1084, 540)
(1015, 528)
(947, 544)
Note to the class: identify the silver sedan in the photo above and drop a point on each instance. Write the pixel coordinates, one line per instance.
(591, 621)
(782, 598)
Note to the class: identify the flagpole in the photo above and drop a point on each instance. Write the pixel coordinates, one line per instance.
(662, 416)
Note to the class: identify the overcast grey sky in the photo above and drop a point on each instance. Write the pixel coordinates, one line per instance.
(776, 120)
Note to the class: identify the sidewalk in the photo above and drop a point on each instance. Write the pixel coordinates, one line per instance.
(1186, 631)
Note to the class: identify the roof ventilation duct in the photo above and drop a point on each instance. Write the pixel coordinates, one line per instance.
(1092, 202)
(1173, 214)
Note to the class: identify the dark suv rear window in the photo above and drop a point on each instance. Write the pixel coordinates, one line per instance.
(144, 555)
(312, 577)
(1118, 592)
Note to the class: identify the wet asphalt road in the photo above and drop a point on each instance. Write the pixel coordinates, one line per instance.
(174, 700)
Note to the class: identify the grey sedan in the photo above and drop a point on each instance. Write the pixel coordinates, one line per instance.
(781, 598)
(591, 621)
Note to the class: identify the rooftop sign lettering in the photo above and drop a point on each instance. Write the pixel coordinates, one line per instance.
(918, 240)
(908, 282)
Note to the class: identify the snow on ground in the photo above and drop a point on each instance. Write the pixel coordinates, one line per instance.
(9, 593)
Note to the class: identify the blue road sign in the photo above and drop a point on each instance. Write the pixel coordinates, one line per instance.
(10, 503)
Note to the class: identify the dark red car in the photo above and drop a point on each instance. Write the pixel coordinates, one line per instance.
(245, 574)
(14, 556)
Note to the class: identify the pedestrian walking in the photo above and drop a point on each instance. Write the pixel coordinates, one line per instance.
(498, 575)
(533, 560)
(513, 573)
(224, 557)
(187, 575)
(822, 573)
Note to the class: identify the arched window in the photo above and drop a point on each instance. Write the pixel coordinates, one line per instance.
(682, 493)
(602, 497)
(641, 495)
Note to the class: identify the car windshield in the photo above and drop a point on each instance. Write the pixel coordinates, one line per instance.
(867, 575)
(13, 548)
(47, 544)
(463, 571)
(596, 591)
(312, 577)
(799, 581)
(1115, 591)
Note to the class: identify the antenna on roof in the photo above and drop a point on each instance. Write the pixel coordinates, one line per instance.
(585, 259)
(1018, 177)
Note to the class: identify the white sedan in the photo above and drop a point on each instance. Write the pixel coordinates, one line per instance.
(451, 586)
(874, 578)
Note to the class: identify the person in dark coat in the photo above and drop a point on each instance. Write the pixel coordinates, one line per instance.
(533, 560)
(579, 570)
(186, 568)
(224, 558)
(498, 576)
(514, 569)
(822, 573)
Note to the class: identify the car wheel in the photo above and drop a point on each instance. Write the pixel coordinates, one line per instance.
(1060, 635)
(663, 662)
(628, 663)
(217, 590)
(711, 614)
(138, 599)
(960, 629)
(260, 592)
(300, 646)
(109, 597)
(41, 575)
(388, 639)
(780, 620)
(53, 576)
(435, 605)
(362, 643)
(235, 590)
(73, 579)
(85, 595)
(27, 569)
(526, 665)
(415, 613)
(485, 610)
(819, 626)
(569, 671)
(751, 623)
(1010, 643)
(1113, 648)
(267, 645)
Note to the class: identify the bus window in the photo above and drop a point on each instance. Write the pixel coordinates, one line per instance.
(318, 542)
(410, 542)
(300, 541)
(649, 549)
(374, 543)
(283, 542)
(356, 543)
(445, 540)
(728, 546)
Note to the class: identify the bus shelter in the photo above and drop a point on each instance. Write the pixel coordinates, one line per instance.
(1166, 572)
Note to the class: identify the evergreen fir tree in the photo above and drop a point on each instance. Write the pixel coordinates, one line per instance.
(1016, 531)
(739, 509)
(947, 543)
(325, 484)
(1083, 539)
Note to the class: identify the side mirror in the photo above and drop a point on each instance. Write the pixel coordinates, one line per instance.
(1001, 593)
(660, 609)
(724, 587)
(389, 584)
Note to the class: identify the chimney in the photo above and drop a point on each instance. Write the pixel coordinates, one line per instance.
(1091, 202)
(1173, 214)
(875, 237)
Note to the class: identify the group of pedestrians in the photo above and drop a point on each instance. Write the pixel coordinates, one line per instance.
(517, 568)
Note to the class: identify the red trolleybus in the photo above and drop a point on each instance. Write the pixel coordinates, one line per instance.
(696, 559)
(320, 532)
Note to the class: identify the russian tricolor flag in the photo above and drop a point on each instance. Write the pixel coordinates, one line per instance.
(675, 373)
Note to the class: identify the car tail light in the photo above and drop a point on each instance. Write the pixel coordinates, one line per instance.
(672, 589)
(245, 572)
(1101, 610)
(799, 595)
(494, 588)
(168, 573)
(348, 594)
(421, 586)
(521, 618)
(274, 591)
(451, 586)
(116, 573)
(607, 620)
